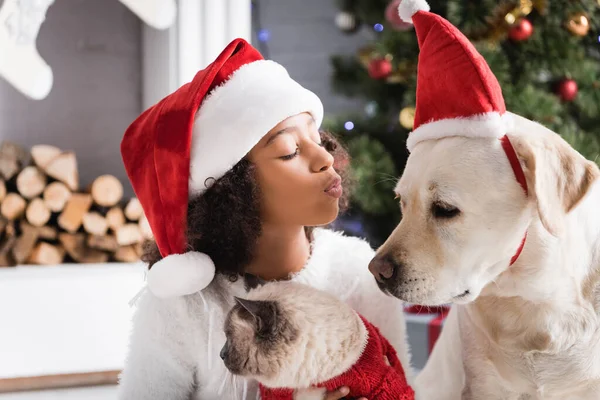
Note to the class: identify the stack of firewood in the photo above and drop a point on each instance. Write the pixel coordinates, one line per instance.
(46, 219)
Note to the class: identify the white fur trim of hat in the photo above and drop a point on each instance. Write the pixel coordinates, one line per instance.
(408, 8)
(180, 274)
(238, 114)
(491, 125)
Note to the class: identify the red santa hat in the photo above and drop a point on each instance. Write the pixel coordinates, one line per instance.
(175, 148)
(457, 93)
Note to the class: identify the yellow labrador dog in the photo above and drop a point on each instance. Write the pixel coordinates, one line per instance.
(530, 330)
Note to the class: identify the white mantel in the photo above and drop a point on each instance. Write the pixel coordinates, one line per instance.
(66, 319)
(203, 28)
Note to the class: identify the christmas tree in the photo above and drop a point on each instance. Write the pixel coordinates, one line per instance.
(545, 54)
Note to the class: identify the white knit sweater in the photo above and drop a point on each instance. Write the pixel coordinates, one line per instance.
(175, 343)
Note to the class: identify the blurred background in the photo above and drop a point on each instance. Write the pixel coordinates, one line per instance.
(75, 73)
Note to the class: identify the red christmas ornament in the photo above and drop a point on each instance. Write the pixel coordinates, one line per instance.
(567, 89)
(380, 68)
(521, 31)
(393, 17)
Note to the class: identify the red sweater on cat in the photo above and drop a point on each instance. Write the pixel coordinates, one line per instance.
(369, 377)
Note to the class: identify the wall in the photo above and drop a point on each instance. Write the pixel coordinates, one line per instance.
(93, 48)
(303, 38)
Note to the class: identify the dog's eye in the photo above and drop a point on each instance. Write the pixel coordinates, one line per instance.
(444, 211)
(399, 199)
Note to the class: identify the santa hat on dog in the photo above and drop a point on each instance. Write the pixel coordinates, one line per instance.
(195, 135)
(457, 93)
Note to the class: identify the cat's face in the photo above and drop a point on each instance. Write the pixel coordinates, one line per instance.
(259, 334)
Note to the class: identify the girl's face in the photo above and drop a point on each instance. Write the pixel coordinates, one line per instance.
(295, 173)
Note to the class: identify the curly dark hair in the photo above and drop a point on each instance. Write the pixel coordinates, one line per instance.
(224, 222)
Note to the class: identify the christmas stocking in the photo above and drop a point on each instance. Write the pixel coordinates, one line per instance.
(20, 62)
(159, 14)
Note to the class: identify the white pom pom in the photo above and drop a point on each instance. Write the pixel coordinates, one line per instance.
(181, 274)
(408, 8)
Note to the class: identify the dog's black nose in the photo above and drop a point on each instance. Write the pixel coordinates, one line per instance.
(223, 352)
(382, 268)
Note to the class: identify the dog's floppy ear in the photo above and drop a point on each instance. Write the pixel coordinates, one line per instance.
(558, 177)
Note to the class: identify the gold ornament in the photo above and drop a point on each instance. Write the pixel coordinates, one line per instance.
(497, 24)
(525, 6)
(407, 117)
(510, 18)
(365, 55)
(578, 24)
(541, 6)
(401, 73)
(396, 77)
(504, 17)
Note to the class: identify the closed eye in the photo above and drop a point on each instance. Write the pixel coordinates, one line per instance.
(442, 210)
(290, 156)
(400, 200)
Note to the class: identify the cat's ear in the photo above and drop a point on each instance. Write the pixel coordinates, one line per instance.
(268, 317)
(252, 281)
(264, 312)
(252, 306)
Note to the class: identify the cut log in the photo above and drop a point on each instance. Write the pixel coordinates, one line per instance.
(8, 167)
(13, 206)
(48, 232)
(31, 182)
(72, 216)
(129, 234)
(64, 169)
(115, 218)
(46, 254)
(145, 228)
(2, 190)
(56, 196)
(43, 154)
(107, 191)
(13, 150)
(74, 244)
(25, 243)
(10, 237)
(93, 256)
(10, 229)
(37, 213)
(95, 224)
(106, 243)
(134, 210)
(126, 254)
(12, 158)
(139, 249)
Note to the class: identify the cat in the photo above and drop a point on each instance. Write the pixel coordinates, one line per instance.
(299, 342)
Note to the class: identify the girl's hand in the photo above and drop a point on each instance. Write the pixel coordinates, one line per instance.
(339, 394)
